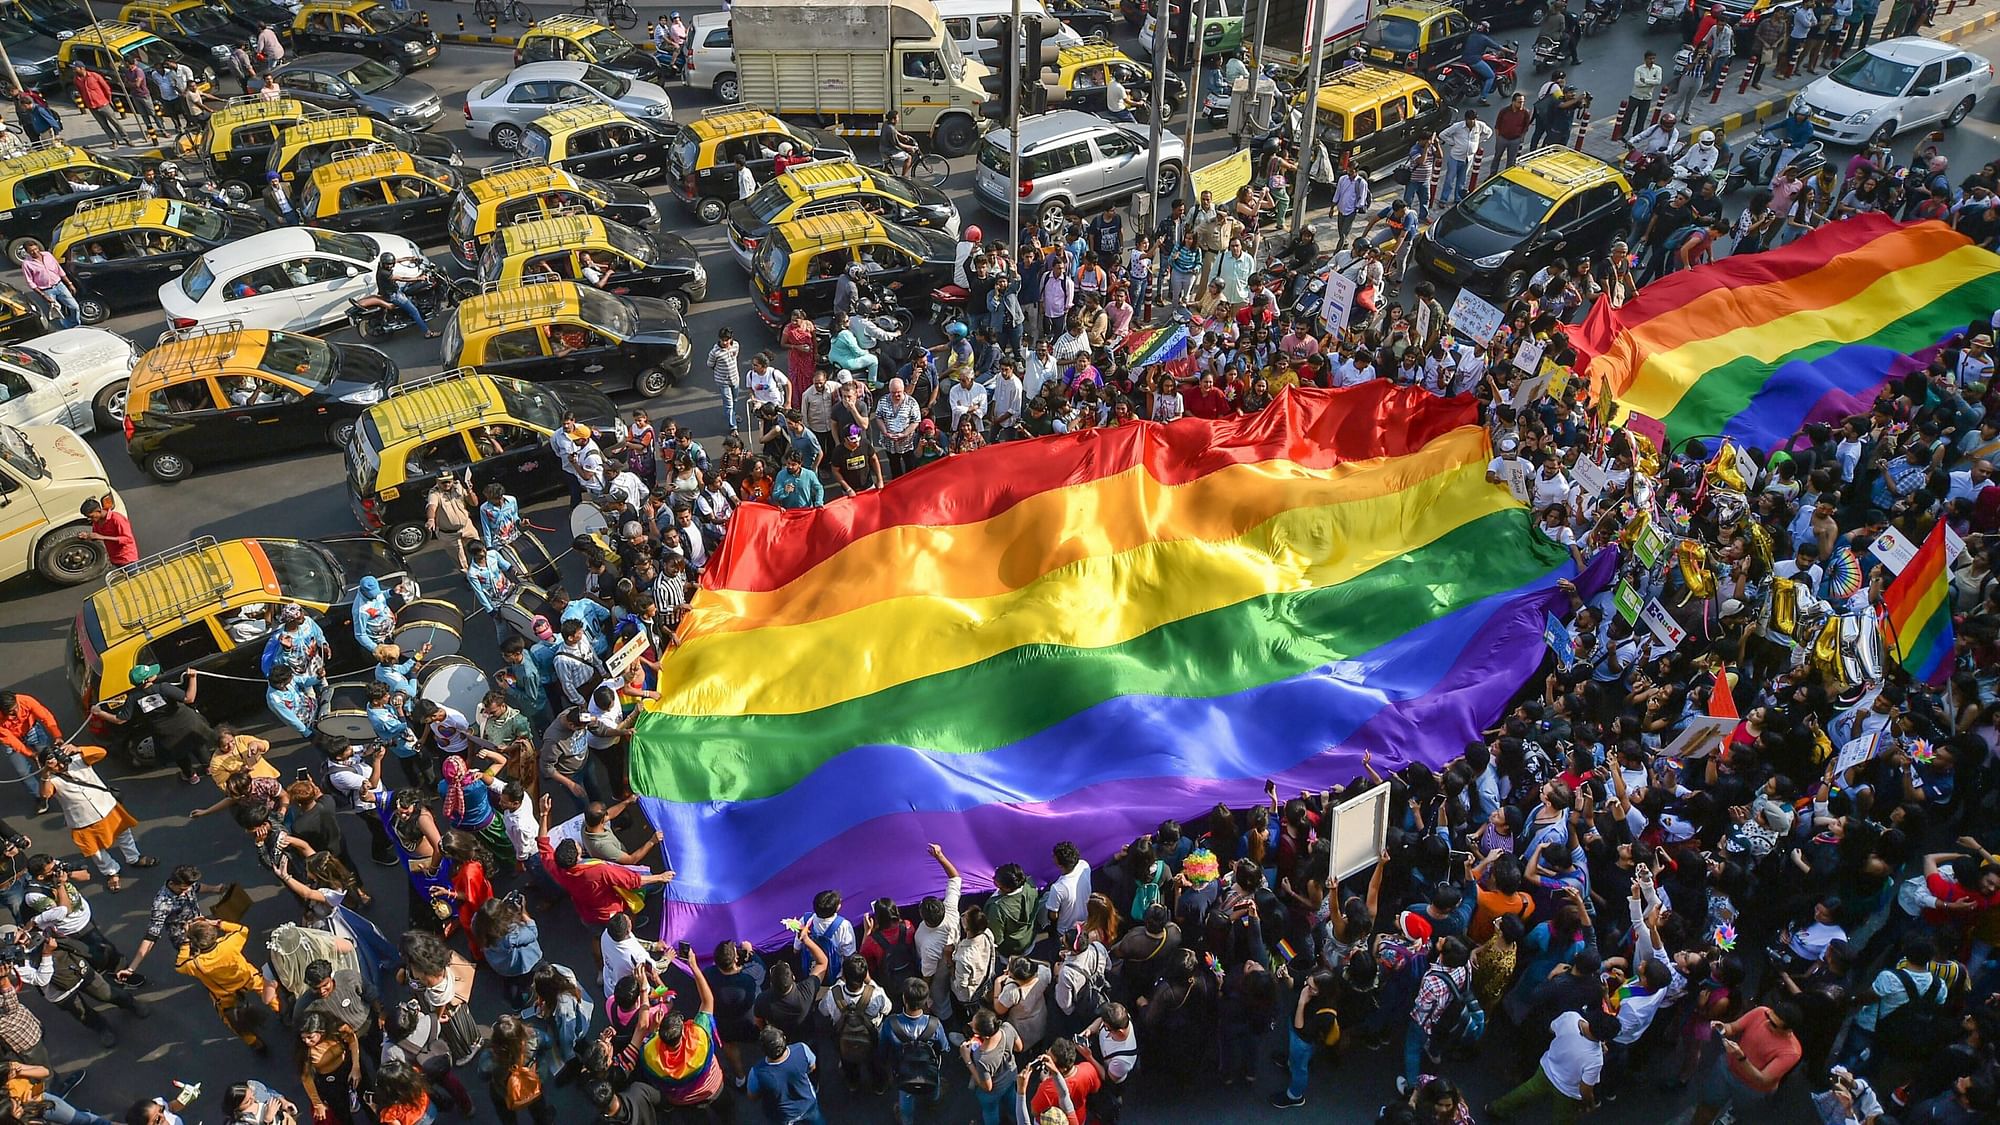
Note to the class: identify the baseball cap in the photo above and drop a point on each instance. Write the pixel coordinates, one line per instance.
(539, 625)
(143, 672)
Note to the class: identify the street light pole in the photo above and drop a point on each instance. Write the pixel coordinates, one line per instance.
(117, 72)
(1302, 188)
(1195, 25)
(1019, 37)
(1263, 25)
(1156, 121)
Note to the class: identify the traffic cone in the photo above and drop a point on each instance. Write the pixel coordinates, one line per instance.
(1721, 76)
(1618, 127)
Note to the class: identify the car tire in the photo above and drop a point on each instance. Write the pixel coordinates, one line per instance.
(711, 210)
(1170, 183)
(651, 383)
(1959, 112)
(955, 136)
(238, 190)
(1884, 134)
(1512, 285)
(677, 302)
(67, 558)
(169, 467)
(1052, 214)
(109, 405)
(408, 538)
(727, 90)
(90, 310)
(1541, 13)
(18, 249)
(505, 137)
(341, 434)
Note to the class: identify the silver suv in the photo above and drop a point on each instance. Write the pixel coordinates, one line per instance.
(1071, 160)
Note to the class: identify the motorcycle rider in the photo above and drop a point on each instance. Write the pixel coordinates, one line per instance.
(1794, 131)
(849, 289)
(849, 351)
(1699, 161)
(1476, 47)
(1654, 145)
(392, 274)
(968, 248)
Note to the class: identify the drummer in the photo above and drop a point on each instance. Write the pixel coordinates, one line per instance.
(392, 669)
(374, 621)
(595, 618)
(295, 705)
(300, 644)
(389, 715)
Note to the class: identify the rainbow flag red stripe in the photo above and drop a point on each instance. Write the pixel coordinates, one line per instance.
(1916, 611)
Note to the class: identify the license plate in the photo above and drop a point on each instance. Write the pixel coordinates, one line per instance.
(1378, 53)
(1445, 267)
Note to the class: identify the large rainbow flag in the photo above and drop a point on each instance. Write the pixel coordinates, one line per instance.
(1076, 637)
(1755, 346)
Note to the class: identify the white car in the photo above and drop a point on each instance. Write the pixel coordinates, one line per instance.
(293, 279)
(75, 377)
(1895, 86)
(500, 110)
(712, 56)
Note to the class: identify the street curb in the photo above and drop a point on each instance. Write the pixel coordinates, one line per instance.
(1771, 107)
(470, 40)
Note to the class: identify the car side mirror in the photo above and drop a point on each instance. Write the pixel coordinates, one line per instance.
(354, 271)
(1924, 91)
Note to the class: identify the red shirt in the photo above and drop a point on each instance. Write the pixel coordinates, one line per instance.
(119, 543)
(92, 92)
(1762, 1048)
(1083, 1080)
(592, 885)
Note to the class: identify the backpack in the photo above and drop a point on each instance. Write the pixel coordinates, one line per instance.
(1148, 894)
(919, 1059)
(1680, 236)
(855, 1034)
(823, 939)
(1332, 1036)
(899, 958)
(1463, 1021)
(1092, 994)
(1922, 1025)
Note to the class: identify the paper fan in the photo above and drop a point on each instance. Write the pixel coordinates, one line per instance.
(1724, 937)
(1843, 573)
(795, 924)
(1922, 753)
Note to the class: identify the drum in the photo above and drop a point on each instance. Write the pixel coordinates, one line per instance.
(454, 682)
(586, 519)
(533, 558)
(429, 621)
(519, 613)
(346, 715)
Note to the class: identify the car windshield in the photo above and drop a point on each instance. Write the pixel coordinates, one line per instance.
(1397, 34)
(304, 572)
(201, 18)
(605, 82)
(905, 241)
(13, 32)
(770, 264)
(119, 164)
(354, 247)
(55, 11)
(19, 453)
(382, 19)
(607, 45)
(197, 279)
(204, 223)
(1870, 73)
(632, 243)
(302, 359)
(994, 157)
(532, 403)
(369, 76)
(1507, 207)
(607, 313)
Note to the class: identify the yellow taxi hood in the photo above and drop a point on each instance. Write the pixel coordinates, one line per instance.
(65, 455)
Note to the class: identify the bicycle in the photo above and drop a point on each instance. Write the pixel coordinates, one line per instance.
(617, 13)
(925, 167)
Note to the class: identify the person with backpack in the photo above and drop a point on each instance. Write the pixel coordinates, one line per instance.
(832, 933)
(913, 1045)
(1907, 1010)
(938, 933)
(854, 1008)
(1070, 1077)
(1083, 979)
(1445, 1014)
(989, 1056)
(889, 945)
(1315, 1024)
(1114, 1043)
(1021, 997)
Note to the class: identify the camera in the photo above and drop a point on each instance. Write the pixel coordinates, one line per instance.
(16, 841)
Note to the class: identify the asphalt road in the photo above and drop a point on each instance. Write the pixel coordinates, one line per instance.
(303, 496)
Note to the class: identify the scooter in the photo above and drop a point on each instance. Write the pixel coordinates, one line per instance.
(1549, 53)
(1663, 11)
(1603, 13)
(1759, 161)
(948, 304)
(434, 293)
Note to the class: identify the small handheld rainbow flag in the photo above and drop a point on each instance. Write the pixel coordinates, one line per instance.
(1916, 611)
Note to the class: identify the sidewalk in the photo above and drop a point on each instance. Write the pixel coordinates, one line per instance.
(1735, 111)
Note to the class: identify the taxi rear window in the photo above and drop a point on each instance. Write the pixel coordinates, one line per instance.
(1397, 34)
(535, 145)
(768, 202)
(771, 263)
(687, 151)
(364, 453)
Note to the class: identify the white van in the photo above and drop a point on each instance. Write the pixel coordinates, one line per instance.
(976, 26)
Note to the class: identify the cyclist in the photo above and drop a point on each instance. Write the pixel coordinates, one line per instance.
(1795, 132)
(898, 149)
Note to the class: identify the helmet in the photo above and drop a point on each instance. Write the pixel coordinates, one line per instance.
(973, 234)
(1668, 118)
(1707, 137)
(1485, 26)
(957, 330)
(784, 148)
(856, 269)
(1801, 111)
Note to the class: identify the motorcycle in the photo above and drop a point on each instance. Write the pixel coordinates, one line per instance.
(1549, 53)
(1602, 13)
(434, 293)
(672, 66)
(1759, 161)
(948, 304)
(890, 320)
(1663, 11)
(1459, 83)
(1290, 260)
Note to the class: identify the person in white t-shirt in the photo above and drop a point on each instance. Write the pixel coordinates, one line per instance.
(1571, 1068)
(624, 955)
(1069, 895)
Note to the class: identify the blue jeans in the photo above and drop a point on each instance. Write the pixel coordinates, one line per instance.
(1413, 1052)
(909, 1105)
(728, 393)
(996, 1105)
(1417, 193)
(61, 1112)
(1298, 1061)
(62, 306)
(1455, 171)
(1484, 70)
(402, 301)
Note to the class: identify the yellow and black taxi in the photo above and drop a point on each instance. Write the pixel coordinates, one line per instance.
(821, 186)
(364, 27)
(45, 185)
(256, 13)
(797, 263)
(381, 189)
(119, 249)
(21, 316)
(598, 252)
(58, 19)
(555, 330)
(31, 50)
(703, 163)
(1370, 116)
(1082, 73)
(530, 189)
(302, 147)
(577, 38)
(222, 392)
(1415, 35)
(464, 423)
(107, 47)
(236, 142)
(1554, 202)
(197, 28)
(597, 142)
(203, 605)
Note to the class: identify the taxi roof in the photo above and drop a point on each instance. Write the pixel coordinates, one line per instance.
(1095, 49)
(567, 24)
(169, 6)
(553, 231)
(113, 212)
(522, 177)
(1377, 80)
(174, 584)
(731, 120)
(821, 177)
(519, 304)
(251, 109)
(831, 228)
(369, 164)
(202, 350)
(424, 406)
(331, 127)
(1417, 9)
(51, 154)
(1563, 169)
(582, 115)
(110, 31)
(339, 5)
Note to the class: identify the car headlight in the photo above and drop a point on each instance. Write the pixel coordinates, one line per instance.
(219, 51)
(413, 47)
(1492, 261)
(1859, 118)
(363, 397)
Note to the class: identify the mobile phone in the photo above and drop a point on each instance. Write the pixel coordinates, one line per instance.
(302, 774)
(1458, 858)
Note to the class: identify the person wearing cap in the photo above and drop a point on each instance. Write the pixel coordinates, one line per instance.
(1570, 1069)
(299, 643)
(491, 575)
(98, 824)
(1975, 361)
(165, 713)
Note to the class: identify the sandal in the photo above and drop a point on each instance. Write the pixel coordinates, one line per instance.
(145, 861)
(114, 884)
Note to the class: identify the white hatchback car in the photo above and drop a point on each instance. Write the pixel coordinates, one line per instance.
(500, 110)
(1895, 86)
(293, 279)
(74, 377)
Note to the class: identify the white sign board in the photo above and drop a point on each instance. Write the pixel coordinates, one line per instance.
(572, 829)
(1471, 314)
(627, 655)
(1589, 476)
(1662, 623)
(1857, 751)
(1528, 357)
(1701, 737)
(1895, 550)
(1339, 303)
(1357, 830)
(1515, 470)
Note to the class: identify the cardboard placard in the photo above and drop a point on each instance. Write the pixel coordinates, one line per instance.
(1339, 303)
(1555, 634)
(1652, 545)
(1472, 314)
(1703, 735)
(1662, 623)
(1224, 177)
(1626, 600)
(627, 655)
(1590, 476)
(1895, 550)
(1858, 750)
(1528, 357)
(1356, 830)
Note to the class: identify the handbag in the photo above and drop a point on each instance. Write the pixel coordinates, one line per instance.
(522, 1088)
(232, 904)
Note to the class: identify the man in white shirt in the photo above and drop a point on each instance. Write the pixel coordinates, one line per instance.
(624, 955)
(1040, 366)
(1969, 482)
(1462, 142)
(1069, 895)
(968, 399)
(1891, 990)
(937, 931)
(1803, 565)
(1570, 1069)
(1551, 484)
(1006, 402)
